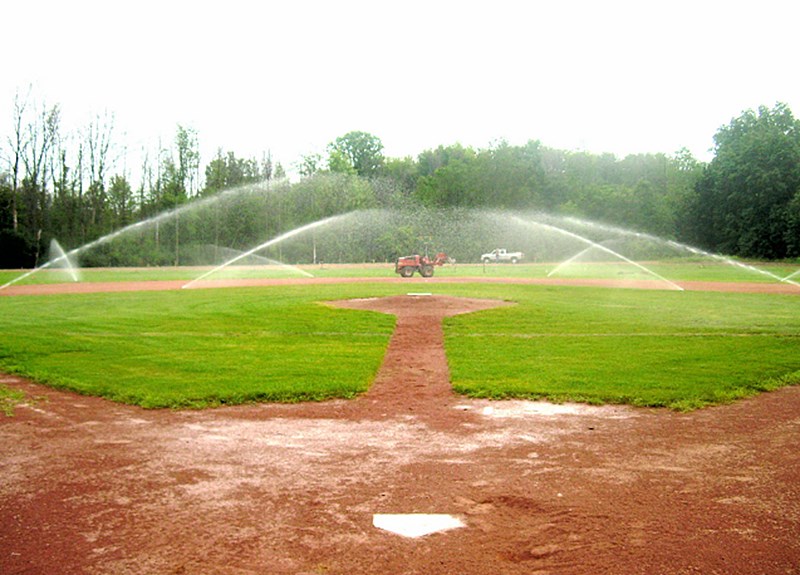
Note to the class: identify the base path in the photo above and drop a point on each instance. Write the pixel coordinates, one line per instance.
(417, 282)
(88, 486)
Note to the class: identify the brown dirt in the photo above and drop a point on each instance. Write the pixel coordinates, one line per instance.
(88, 486)
(93, 287)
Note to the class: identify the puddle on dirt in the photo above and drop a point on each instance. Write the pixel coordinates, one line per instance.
(522, 408)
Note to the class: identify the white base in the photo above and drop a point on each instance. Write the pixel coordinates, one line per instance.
(415, 524)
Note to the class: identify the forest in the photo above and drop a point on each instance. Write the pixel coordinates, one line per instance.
(744, 203)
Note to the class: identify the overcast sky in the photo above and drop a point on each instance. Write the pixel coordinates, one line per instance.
(291, 76)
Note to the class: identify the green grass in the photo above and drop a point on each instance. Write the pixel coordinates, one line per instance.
(676, 349)
(9, 398)
(677, 270)
(195, 348)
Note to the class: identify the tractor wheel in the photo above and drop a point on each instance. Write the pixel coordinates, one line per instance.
(426, 271)
(407, 271)
(514, 260)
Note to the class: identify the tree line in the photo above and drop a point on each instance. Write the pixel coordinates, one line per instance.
(747, 201)
(744, 202)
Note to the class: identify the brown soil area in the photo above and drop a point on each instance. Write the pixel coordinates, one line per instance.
(93, 287)
(88, 486)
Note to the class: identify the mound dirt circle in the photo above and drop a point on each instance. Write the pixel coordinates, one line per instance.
(87, 486)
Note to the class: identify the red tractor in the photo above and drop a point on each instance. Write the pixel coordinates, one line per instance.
(407, 265)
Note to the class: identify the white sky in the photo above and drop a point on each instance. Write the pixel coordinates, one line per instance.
(291, 76)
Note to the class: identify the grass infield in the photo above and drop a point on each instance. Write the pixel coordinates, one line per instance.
(198, 348)
(681, 350)
(194, 348)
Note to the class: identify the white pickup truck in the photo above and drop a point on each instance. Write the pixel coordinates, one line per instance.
(501, 255)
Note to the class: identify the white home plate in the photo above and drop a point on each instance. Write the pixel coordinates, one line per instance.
(415, 524)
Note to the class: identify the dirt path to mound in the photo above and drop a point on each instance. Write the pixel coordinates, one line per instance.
(87, 486)
(414, 378)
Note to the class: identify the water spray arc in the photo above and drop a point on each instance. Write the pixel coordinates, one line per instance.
(732, 262)
(381, 234)
(263, 260)
(594, 245)
(687, 248)
(267, 244)
(25, 275)
(567, 262)
(62, 260)
(162, 217)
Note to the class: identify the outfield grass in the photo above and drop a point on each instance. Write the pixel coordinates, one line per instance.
(193, 348)
(677, 270)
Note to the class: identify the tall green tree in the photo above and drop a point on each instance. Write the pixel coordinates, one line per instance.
(121, 201)
(42, 136)
(17, 143)
(449, 177)
(745, 201)
(227, 171)
(309, 164)
(512, 177)
(188, 163)
(356, 152)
